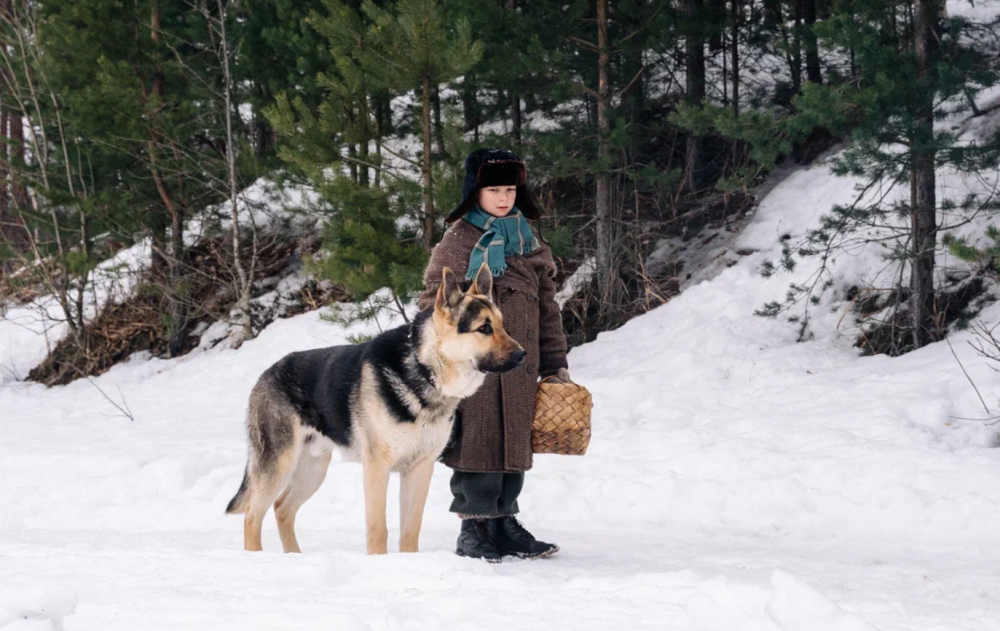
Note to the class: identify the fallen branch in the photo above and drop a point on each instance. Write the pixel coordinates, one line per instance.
(985, 407)
(125, 411)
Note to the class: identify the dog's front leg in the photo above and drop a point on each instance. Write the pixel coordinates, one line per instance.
(376, 473)
(413, 487)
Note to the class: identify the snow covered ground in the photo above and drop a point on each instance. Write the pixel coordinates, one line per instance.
(736, 481)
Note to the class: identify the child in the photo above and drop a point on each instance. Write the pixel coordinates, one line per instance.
(492, 447)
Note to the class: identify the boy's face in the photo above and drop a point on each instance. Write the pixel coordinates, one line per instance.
(497, 200)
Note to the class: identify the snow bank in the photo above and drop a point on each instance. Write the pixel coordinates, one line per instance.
(726, 460)
(37, 607)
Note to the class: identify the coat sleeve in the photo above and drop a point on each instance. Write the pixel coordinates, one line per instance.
(551, 339)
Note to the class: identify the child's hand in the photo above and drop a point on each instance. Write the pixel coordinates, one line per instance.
(560, 377)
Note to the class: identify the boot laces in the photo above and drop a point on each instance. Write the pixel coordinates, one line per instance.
(517, 527)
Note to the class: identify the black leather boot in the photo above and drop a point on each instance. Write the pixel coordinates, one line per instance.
(475, 541)
(512, 539)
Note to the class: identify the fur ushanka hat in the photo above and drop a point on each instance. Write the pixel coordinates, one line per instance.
(495, 167)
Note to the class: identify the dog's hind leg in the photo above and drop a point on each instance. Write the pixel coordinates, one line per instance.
(267, 483)
(307, 478)
(413, 487)
(376, 473)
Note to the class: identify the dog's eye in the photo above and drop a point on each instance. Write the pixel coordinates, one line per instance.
(485, 329)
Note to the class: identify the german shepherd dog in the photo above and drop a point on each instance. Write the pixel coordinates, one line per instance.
(389, 403)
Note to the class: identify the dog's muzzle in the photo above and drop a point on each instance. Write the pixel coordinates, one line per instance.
(516, 359)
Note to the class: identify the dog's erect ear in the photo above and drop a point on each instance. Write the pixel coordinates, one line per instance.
(449, 293)
(483, 283)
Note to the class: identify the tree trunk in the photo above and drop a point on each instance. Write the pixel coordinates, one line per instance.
(385, 120)
(515, 99)
(438, 128)
(263, 133)
(605, 221)
(5, 215)
(695, 79)
(734, 49)
(159, 220)
(717, 35)
(157, 224)
(813, 74)
(427, 177)
(363, 178)
(262, 136)
(81, 288)
(515, 117)
(359, 172)
(923, 202)
(352, 164)
(352, 149)
(378, 141)
(176, 306)
(178, 313)
(19, 192)
(796, 69)
(470, 105)
(634, 99)
(244, 280)
(7, 230)
(772, 14)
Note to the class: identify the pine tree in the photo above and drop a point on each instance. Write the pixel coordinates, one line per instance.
(694, 73)
(521, 82)
(47, 217)
(908, 70)
(144, 94)
(367, 251)
(370, 238)
(281, 53)
(813, 71)
(413, 49)
(911, 69)
(985, 258)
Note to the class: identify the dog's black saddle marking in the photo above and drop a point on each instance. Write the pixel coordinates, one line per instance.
(322, 384)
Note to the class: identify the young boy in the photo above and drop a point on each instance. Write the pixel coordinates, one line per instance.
(492, 449)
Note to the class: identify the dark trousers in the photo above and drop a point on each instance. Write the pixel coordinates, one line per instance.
(482, 495)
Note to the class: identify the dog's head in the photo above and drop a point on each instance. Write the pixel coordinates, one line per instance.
(470, 327)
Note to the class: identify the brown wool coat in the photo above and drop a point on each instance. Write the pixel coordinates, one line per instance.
(495, 432)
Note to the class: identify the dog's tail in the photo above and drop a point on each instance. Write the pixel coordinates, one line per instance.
(239, 502)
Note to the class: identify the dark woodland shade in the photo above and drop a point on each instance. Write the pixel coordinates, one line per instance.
(495, 167)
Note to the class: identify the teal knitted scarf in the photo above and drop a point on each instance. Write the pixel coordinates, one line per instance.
(504, 236)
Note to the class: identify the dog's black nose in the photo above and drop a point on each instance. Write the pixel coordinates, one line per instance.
(518, 355)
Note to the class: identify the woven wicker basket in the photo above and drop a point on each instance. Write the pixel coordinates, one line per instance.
(562, 419)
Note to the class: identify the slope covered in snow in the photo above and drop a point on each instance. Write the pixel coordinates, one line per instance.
(736, 480)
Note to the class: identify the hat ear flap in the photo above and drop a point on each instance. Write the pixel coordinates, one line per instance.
(526, 203)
